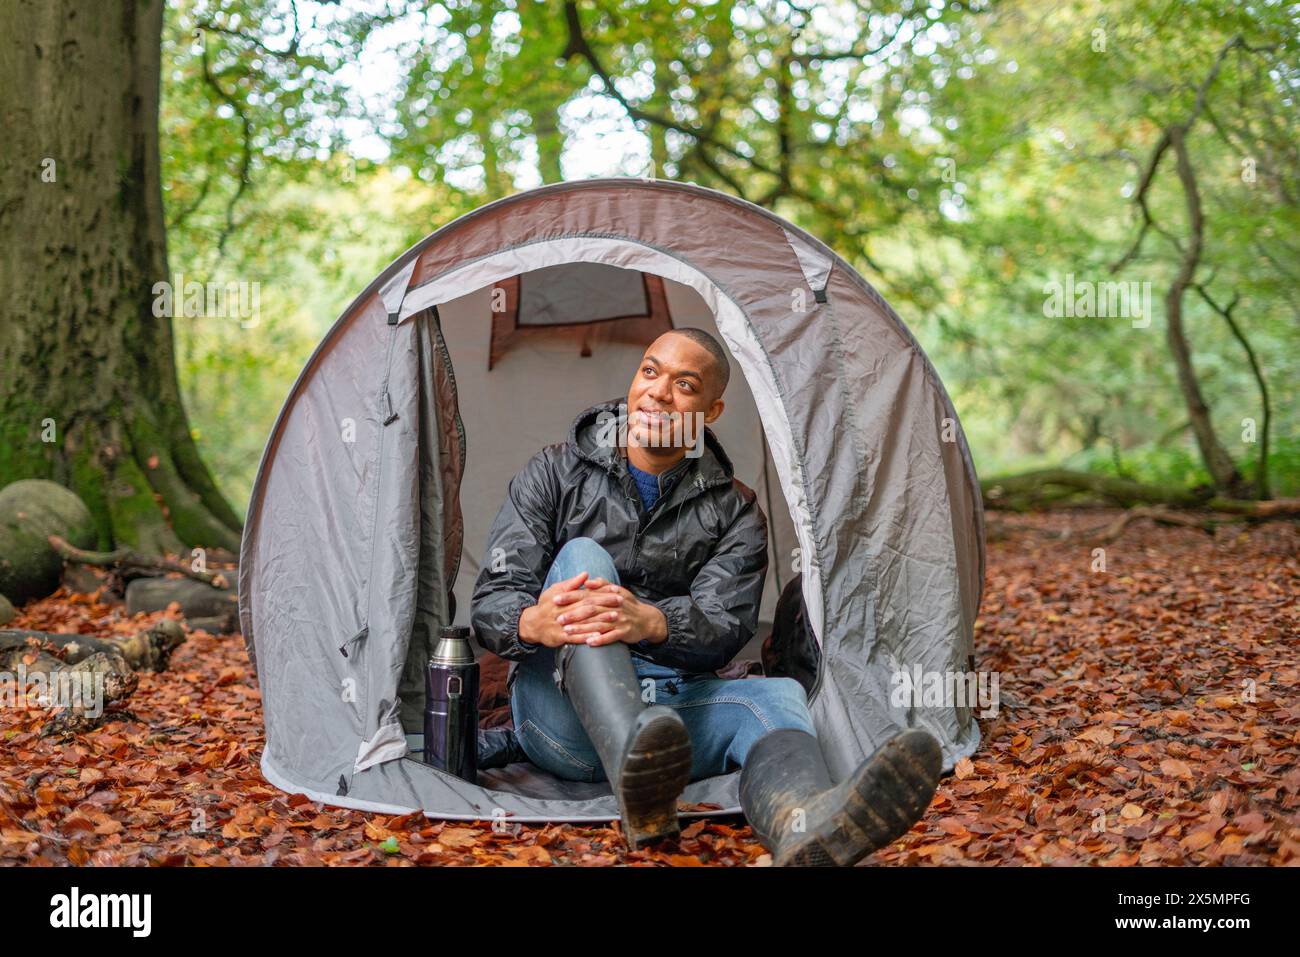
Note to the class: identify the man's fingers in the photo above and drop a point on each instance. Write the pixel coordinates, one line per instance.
(578, 613)
(609, 637)
(589, 592)
(585, 609)
(582, 637)
(596, 623)
(569, 584)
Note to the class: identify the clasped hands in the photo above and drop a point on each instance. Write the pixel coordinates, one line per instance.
(591, 612)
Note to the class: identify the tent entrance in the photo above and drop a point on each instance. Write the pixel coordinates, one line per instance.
(729, 319)
(530, 352)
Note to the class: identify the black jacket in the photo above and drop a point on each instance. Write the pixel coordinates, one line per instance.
(700, 554)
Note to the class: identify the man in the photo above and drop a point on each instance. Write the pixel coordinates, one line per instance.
(630, 557)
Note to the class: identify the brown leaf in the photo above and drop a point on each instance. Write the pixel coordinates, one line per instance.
(1098, 735)
(458, 837)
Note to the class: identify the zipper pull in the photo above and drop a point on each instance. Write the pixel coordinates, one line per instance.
(343, 648)
(388, 404)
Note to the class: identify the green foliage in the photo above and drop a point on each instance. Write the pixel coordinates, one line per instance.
(236, 373)
(1092, 87)
(257, 192)
(963, 155)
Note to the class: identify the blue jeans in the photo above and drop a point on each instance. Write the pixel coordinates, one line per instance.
(723, 717)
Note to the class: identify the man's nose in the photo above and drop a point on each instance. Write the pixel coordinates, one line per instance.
(662, 390)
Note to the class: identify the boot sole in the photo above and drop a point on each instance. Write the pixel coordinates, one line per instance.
(878, 804)
(656, 769)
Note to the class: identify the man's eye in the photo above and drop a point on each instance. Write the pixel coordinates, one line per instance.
(686, 385)
(647, 370)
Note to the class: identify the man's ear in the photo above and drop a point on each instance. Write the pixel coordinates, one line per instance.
(715, 410)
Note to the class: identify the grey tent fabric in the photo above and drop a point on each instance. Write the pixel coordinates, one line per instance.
(580, 292)
(355, 532)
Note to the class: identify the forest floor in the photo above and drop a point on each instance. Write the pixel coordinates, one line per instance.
(1148, 715)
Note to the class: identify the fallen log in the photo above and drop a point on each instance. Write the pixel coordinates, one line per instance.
(215, 610)
(85, 679)
(1063, 488)
(88, 693)
(29, 657)
(149, 650)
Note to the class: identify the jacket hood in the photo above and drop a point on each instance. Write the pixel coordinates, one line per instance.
(591, 433)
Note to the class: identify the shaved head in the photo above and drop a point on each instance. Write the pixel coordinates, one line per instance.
(721, 365)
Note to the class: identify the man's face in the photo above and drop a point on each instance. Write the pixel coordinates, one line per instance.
(675, 385)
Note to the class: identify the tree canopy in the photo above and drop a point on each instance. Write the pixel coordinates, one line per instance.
(976, 161)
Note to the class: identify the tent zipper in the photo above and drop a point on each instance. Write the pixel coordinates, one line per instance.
(363, 705)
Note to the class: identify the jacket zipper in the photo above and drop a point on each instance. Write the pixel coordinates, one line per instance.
(700, 488)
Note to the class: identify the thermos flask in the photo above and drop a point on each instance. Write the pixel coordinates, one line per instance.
(451, 706)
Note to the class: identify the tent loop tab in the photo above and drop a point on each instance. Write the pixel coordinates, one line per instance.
(813, 263)
(394, 291)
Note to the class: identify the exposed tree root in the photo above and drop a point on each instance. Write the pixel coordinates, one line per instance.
(131, 564)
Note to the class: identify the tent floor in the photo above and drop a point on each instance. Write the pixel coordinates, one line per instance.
(531, 781)
(528, 780)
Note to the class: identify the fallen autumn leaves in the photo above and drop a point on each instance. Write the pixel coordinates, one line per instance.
(1126, 735)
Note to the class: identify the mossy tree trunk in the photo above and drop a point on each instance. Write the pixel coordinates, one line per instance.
(88, 388)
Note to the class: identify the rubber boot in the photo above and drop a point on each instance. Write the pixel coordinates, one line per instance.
(499, 748)
(805, 819)
(645, 750)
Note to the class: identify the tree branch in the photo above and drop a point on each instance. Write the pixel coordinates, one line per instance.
(246, 156)
(1261, 478)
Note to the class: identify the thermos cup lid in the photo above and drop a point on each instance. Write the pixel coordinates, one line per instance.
(453, 648)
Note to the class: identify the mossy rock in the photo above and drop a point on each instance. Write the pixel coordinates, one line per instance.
(30, 512)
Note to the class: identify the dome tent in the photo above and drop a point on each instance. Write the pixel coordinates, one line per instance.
(355, 529)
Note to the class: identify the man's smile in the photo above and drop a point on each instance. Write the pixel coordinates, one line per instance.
(649, 414)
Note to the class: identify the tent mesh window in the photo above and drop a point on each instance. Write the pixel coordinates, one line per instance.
(591, 302)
